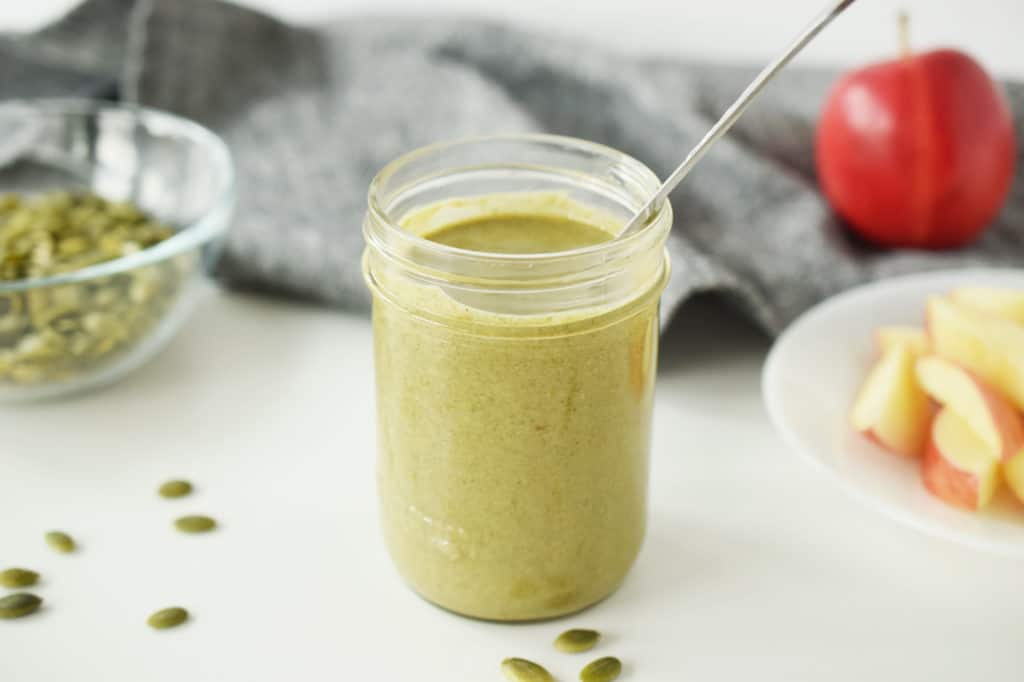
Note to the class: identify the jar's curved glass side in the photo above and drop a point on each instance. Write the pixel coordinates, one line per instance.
(514, 394)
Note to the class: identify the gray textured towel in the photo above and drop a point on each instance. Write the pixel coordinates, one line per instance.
(311, 114)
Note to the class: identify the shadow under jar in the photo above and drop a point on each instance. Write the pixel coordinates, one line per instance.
(514, 378)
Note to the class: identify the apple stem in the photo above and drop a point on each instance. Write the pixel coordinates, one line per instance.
(904, 21)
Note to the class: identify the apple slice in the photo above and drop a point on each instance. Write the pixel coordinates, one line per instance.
(891, 408)
(1005, 303)
(989, 415)
(916, 339)
(989, 346)
(1013, 472)
(957, 466)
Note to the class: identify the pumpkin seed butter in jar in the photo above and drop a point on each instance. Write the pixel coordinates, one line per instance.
(515, 345)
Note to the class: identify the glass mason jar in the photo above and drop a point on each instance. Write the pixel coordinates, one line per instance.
(514, 391)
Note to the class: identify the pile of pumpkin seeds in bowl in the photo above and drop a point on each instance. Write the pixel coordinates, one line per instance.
(62, 331)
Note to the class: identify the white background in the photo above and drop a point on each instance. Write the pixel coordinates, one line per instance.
(737, 30)
(756, 568)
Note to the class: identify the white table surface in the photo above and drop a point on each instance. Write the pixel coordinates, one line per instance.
(755, 567)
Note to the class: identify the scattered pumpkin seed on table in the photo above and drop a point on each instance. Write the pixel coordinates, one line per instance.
(521, 670)
(19, 604)
(602, 670)
(60, 541)
(175, 488)
(167, 618)
(576, 640)
(195, 524)
(18, 577)
(59, 331)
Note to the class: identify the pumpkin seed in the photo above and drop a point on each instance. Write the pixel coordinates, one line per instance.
(576, 641)
(602, 670)
(56, 332)
(18, 577)
(521, 670)
(19, 604)
(60, 541)
(176, 488)
(167, 618)
(195, 524)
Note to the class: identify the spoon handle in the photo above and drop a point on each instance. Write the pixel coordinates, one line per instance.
(733, 113)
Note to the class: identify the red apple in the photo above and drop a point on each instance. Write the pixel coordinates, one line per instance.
(917, 152)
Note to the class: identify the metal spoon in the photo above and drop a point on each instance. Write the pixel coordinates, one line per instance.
(732, 114)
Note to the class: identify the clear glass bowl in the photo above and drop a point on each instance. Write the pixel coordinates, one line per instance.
(84, 328)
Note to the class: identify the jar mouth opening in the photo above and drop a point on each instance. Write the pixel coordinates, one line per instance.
(507, 175)
(630, 168)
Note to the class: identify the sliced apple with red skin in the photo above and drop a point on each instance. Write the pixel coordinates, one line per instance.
(957, 466)
(915, 338)
(992, 418)
(989, 346)
(1005, 303)
(1013, 472)
(891, 409)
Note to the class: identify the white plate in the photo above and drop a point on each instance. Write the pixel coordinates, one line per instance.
(809, 383)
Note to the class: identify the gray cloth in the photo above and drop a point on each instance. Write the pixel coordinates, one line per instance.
(312, 113)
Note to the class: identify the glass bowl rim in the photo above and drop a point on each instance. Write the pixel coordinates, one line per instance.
(210, 225)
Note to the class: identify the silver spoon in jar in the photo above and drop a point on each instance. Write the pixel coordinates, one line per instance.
(732, 114)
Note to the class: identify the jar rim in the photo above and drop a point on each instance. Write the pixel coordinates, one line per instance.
(640, 171)
(474, 173)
